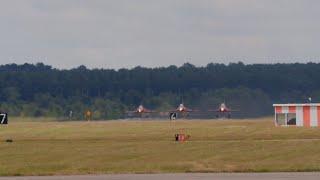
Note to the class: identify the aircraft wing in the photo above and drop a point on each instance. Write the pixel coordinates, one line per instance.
(149, 112)
(233, 110)
(186, 110)
(214, 110)
(227, 110)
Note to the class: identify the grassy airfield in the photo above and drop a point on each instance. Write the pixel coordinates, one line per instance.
(49, 148)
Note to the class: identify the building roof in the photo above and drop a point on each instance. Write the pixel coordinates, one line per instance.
(304, 104)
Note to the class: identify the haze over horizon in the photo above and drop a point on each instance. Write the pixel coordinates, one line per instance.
(125, 34)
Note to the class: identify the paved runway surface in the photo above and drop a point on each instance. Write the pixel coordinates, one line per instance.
(189, 176)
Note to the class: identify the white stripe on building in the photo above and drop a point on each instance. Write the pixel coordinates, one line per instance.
(299, 118)
(313, 116)
(285, 109)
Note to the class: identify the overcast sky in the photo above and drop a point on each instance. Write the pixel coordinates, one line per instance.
(152, 33)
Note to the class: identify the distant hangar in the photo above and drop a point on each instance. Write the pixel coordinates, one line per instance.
(307, 115)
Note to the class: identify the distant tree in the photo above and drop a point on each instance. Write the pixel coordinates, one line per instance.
(40, 90)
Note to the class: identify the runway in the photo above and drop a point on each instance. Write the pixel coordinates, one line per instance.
(182, 176)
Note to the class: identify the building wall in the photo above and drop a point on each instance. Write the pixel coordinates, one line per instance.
(308, 116)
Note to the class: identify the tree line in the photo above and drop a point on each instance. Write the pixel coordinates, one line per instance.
(41, 90)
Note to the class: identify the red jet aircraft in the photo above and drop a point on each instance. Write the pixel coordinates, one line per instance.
(182, 110)
(223, 110)
(140, 111)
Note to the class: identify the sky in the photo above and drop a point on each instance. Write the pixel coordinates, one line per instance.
(152, 33)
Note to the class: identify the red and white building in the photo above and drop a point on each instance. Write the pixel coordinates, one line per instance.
(307, 115)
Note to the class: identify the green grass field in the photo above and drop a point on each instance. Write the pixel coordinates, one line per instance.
(49, 148)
